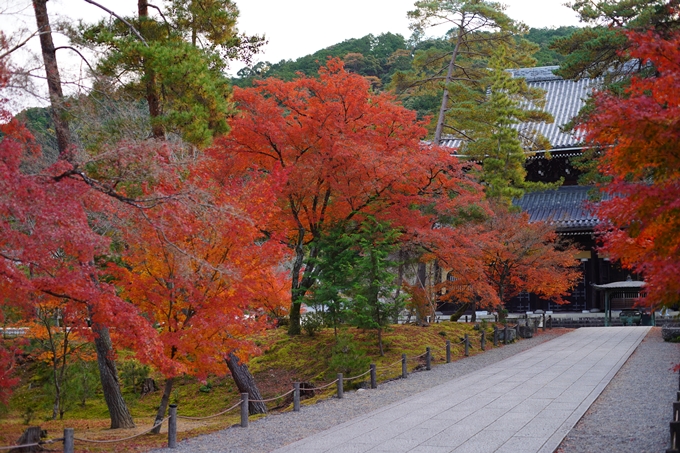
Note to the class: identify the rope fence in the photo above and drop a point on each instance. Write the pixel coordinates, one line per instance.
(276, 398)
(323, 387)
(357, 376)
(69, 438)
(109, 441)
(186, 417)
(675, 425)
(12, 447)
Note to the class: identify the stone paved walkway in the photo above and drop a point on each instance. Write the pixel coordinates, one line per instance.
(526, 403)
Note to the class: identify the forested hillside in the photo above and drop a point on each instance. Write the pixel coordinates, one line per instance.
(379, 57)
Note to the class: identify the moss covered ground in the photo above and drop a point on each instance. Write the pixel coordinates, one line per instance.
(314, 360)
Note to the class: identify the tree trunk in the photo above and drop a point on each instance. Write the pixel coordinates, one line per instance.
(296, 290)
(294, 319)
(439, 130)
(152, 96)
(462, 309)
(421, 275)
(246, 384)
(118, 411)
(165, 399)
(53, 79)
(30, 436)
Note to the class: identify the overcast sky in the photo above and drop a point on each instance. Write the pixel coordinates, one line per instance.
(293, 28)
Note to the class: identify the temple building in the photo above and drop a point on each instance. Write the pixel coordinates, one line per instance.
(568, 208)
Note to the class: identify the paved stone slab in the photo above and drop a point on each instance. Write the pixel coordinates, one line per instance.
(526, 403)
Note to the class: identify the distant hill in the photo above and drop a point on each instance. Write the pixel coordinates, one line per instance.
(378, 57)
(372, 56)
(543, 37)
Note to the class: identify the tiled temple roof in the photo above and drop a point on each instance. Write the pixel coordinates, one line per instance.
(564, 98)
(567, 208)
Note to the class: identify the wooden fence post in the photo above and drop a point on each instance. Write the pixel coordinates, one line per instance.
(244, 410)
(428, 359)
(374, 378)
(543, 322)
(68, 440)
(296, 397)
(483, 341)
(505, 334)
(467, 346)
(495, 335)
(448, 351)
(172, 426)
(404, 372)
(675, 437)
(340, 386)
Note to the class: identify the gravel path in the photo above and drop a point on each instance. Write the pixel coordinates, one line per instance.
(632, 414)
(640, 397)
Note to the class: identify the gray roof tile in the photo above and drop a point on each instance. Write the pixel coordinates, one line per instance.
(567, 208)
(564, 99)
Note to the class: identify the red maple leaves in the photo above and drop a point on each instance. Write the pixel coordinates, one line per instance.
(639, 134)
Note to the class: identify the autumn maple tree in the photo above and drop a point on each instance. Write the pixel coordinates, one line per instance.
(49, 247)
(342, 152)
(638, 135)
(520, 256)
(198, 266)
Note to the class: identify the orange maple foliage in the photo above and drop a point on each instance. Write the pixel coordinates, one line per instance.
(198, 266)
(638, 134)
(342, 152)
(520, 256)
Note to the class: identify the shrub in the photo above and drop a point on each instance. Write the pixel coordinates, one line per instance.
(133, 373)
(312, 323)
(347, 358)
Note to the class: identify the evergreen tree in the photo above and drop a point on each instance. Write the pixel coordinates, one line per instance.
(488, 120)
(600, 48)
(356, 275)
(176, 62)
(478, 27)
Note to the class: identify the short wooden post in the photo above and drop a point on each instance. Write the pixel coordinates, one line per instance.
(374, 378)
(244, 410)
(677, 396)
(68, 440)
(675, 437)
(467, 346)
(495, 336)
(676, 412)
(505, 335)
(543, 322)
(296, 397)
(483, 341)
(172, 426)
(341, 389)
(448, 351)
(428, 359)
(404, 371)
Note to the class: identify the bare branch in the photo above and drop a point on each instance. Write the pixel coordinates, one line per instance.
(18, 46)
(133, 29)
(78, 52)
(167, 24)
